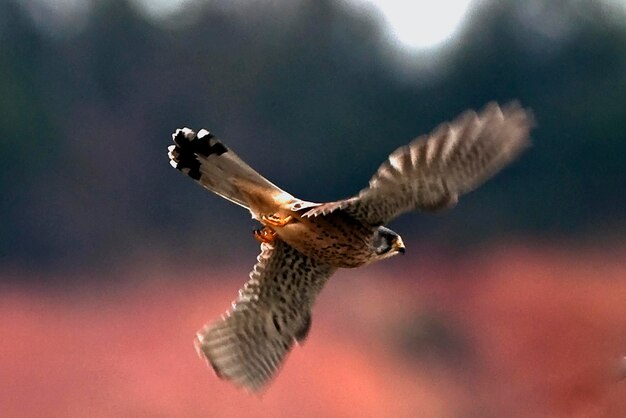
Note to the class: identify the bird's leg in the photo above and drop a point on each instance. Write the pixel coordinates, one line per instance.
(275, 220)
(264, 235)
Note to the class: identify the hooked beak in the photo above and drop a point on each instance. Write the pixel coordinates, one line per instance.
(398, 246)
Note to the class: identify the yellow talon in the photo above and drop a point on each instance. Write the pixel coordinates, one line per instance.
(264, 235)
(275, 220)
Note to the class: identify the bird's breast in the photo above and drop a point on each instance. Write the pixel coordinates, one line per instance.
(334, 239)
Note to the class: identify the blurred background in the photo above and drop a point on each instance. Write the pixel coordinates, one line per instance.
(512, 304)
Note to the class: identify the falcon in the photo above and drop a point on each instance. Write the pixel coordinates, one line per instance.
(303, 243)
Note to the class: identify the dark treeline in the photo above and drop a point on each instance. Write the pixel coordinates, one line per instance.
(311, 97)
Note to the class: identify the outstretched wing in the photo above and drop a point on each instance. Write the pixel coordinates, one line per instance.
(434, 170)
(273, 310)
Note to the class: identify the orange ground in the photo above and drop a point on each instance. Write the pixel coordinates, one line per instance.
(517, 332)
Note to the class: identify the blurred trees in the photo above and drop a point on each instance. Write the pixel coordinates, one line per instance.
(312, 97)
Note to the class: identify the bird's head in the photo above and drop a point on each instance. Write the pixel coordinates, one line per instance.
(386, 244)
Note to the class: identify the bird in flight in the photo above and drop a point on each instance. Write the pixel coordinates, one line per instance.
(303, 243)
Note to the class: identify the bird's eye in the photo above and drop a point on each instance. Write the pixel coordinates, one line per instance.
(382, 245)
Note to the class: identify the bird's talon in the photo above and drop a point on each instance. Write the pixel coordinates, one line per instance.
(264, 235)
(275, 220)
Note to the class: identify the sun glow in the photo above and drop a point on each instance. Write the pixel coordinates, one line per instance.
(416, 24)
(421, 24)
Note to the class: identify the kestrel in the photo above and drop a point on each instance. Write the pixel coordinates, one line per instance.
(303, 243)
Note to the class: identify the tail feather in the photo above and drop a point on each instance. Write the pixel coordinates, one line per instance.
(205, 159)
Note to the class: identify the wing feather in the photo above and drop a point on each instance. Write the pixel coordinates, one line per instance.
(432, 172)
(273, 310)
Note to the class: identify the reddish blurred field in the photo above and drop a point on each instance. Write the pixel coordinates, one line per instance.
(516, 332)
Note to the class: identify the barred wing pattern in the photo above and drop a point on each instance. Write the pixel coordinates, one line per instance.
(273, 310)
(434, 170)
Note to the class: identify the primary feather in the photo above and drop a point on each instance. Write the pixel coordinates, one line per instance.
(273, 311)
(432, 172)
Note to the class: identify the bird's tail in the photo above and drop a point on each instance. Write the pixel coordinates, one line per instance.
(205, 159)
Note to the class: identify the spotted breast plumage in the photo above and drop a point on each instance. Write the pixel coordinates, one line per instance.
(303, 243)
